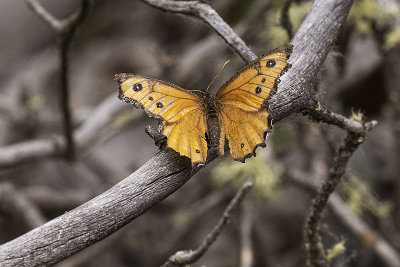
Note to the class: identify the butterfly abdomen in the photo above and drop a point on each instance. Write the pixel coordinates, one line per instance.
(213, 129)
(238, 116)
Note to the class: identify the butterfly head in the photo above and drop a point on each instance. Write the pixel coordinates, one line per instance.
(209, 102)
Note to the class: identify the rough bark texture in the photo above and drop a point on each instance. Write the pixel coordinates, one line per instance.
(166, 172)
(101, 216)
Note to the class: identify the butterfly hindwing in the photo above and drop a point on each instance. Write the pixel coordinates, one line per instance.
(242, 103)
(241, 106)
(182, 114)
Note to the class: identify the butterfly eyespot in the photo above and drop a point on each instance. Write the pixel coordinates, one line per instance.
(271, 63)
(238, 116)
(137, 87)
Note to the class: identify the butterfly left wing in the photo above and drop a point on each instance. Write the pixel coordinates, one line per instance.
(182, 114)
(242, 103)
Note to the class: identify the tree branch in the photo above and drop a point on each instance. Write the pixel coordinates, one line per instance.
(65, 30)
(43, 148)
(16, 203)
(65, 36)
(49, 19)
(322, 114)
(189, 256)
(312, 42)
(206, 13)
(99, 217)
(315, 253)
(167, 172)
(285, 20)
(246, 227)
(388, 254)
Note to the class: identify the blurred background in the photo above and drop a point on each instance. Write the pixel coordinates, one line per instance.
(360, 75)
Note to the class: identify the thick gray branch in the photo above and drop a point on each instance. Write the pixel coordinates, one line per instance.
(312, 42)
(166, 172)
(99, 217)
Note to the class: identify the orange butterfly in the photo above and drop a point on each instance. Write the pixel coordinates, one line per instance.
(239, 112)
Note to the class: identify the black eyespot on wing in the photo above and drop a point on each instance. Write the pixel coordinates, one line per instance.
(137, 87)
(159, 105)
(258, 89)
(241, 145)
(151, 99)
(197, 151)
(263, 80)
(270, 63)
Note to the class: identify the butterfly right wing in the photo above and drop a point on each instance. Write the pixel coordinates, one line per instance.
(242, 103)
(182, 114)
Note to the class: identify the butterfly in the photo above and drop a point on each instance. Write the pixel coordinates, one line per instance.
(238, 114)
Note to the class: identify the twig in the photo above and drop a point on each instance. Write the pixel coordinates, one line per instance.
(65, 30)
(50, 199)
(16, 203)
(315, 252)
(205, 12)
(84, 136)
(322, 114)
(386, 252)
(189, 256)
(64, 40)
(195, 212)
(44, 15)
(285, 20)
(246, 226)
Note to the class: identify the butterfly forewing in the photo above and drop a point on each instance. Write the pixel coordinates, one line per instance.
(181, 113)
(242, 103)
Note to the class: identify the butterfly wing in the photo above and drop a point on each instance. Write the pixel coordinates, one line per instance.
(242, 103)
(182, 114)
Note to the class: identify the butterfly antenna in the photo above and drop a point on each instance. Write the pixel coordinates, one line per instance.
(216, 76)
(197, 91)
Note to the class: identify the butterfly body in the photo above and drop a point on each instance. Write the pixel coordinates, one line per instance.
(213, 124)
(196, 126)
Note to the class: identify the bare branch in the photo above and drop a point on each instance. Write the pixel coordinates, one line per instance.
(312, 42)
(285, 20)
(65, 30)
(16, 203)
(196, 212)
(386, 252)
(54, 23)
(46, 198)
(84, 136)
(321, 113)
(246, 226)
(99, 217)
(64, 40)
(315, 252)
(65, 25)
(205, 12)
(189, 256)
